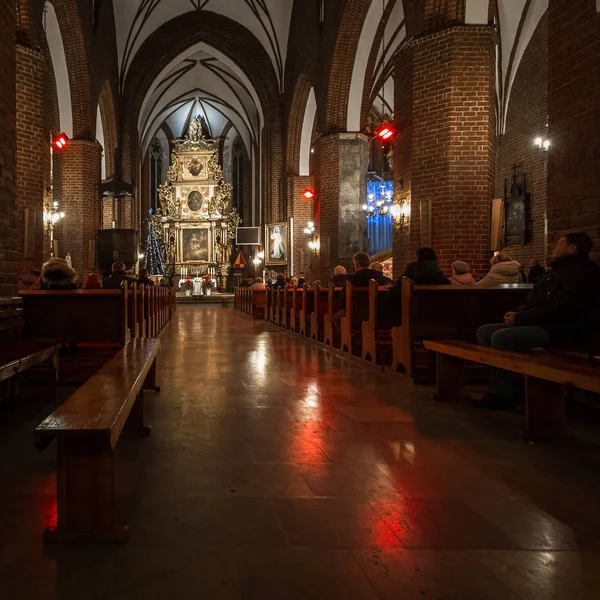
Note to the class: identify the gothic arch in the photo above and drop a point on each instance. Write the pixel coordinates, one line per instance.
(340, 75)
(241, 47)
(302, 110)
(106, 110)
(69, 22)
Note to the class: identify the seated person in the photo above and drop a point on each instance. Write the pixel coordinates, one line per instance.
(536, 271)
(279, 282)
(377, 266)
(424, 271)
(115, 281)
(503, 270)
(93, 282)
(461, 274)
(58, 275)
(562, 311)
(144, 278)
(258, 285)
(339, 276)
(360, 278)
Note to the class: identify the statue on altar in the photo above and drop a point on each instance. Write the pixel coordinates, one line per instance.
(198, 130)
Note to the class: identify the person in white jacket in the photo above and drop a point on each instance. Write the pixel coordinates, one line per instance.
(504, 270)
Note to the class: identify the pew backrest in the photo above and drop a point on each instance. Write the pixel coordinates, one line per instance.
(11, 319)
(76, 315)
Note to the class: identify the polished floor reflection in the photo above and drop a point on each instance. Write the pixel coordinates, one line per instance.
(278, 471)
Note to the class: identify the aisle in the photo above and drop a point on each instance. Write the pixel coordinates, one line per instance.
(277, 471)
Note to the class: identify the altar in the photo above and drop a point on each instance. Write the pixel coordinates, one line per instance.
(199, 224)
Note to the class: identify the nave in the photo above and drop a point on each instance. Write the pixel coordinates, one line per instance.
(277, 470)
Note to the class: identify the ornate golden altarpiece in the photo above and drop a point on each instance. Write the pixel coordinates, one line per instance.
(199, 224)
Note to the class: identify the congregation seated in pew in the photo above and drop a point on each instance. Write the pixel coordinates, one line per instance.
(339, 276)
(258, 285)
(93, 282)
(58, 275)
(116, 278)
(461, 274)
(562, 311)
(503, 269)
(360, 278)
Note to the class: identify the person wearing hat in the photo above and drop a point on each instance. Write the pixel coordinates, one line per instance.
(461, 274)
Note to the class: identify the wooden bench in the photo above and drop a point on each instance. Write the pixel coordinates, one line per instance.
(546, 376)
(17, 353)
(286, 307)
(357, 311)
(87, 428)
(445, 312)
(375, 337)
(297, 304)
(317, 316)
(79, 315)
(333, 306)
(307, 308)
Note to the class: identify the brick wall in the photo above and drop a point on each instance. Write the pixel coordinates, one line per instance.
(79, 194)
(574, 119)
(302, 211)
(453, 128)
(8, 157)
(527, 119)
(32, 148)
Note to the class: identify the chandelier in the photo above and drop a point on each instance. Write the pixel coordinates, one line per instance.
(381, 204)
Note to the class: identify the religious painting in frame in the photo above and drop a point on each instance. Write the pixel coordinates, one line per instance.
(276, 244)
(195, 244)
(517, 219)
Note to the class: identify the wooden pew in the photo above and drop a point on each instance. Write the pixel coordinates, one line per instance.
(286, 307)
(17, 353)
(141, 315)
(77, 315)
(87, 428)
(308, 306)
(357, 311)
(333, 306)
(374, 337)
(317, 317)
(257, 303)
(547, 376)
(297, 304)
(278, 308)
(445, 312)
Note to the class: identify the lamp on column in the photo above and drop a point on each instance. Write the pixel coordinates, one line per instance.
(400, 210)
(52, 216)
(313, 242)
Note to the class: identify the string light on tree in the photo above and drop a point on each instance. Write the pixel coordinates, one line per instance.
(155, 249)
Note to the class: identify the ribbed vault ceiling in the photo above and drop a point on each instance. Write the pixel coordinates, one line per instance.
(268, 20)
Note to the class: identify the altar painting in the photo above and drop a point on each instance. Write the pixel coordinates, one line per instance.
(195, 245)
(276, 243)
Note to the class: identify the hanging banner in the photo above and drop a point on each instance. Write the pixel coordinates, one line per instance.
(239, 263)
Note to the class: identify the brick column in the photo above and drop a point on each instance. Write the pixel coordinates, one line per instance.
(451, 124)
(573, 120)
(302, 211)
(78, 196)
(8, 150)
(342, 163)
(33, 153)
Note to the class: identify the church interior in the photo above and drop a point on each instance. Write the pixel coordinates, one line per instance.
(300, 299)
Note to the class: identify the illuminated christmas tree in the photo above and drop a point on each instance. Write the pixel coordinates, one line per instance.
(154, 258)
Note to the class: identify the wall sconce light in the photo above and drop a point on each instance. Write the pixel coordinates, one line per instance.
(541, 143)
(310, 231)
(401, 214)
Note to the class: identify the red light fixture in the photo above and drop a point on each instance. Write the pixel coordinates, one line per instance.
(386, 132)
(60, 141)
(308, 194)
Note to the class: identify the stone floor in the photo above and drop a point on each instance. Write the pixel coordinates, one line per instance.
(276, 470)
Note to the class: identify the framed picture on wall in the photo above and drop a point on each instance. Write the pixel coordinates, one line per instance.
(276, 244)
(517, 216)
(194, 245)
